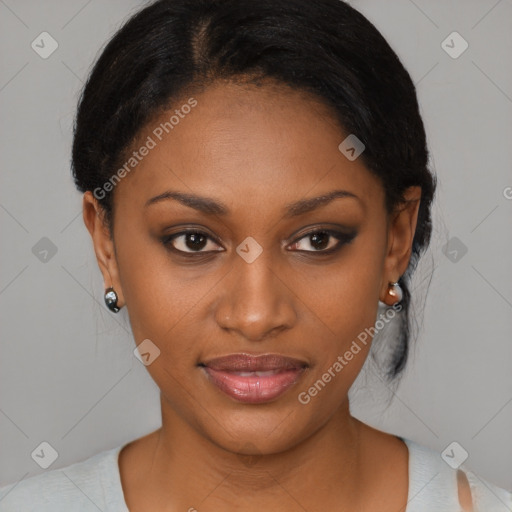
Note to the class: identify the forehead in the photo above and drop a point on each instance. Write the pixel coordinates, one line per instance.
(260, 145)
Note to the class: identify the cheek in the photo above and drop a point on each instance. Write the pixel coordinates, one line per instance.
(157, 295)
(345, 295)
(344, 303)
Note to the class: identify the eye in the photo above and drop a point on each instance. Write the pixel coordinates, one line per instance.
(323, 241)
(190, 241)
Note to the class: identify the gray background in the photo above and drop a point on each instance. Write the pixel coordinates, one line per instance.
(68, 375)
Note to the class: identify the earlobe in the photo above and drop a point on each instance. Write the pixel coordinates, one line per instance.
(402, 228)
(94, 220)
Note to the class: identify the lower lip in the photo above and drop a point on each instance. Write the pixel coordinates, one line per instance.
(254, 389)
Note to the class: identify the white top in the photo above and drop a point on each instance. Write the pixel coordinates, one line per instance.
(95, 485)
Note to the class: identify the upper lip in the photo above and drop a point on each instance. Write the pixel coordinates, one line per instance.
(254, 363)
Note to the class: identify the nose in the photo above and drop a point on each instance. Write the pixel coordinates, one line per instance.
(256, 303)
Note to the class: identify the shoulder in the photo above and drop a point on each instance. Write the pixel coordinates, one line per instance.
(437, 481)
(92, 484)
(487, 496)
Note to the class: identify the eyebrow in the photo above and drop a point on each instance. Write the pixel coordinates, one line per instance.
(211, 206)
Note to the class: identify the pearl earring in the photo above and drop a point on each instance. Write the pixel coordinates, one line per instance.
(396, 292)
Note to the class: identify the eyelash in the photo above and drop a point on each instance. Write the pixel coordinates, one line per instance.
(342, 237)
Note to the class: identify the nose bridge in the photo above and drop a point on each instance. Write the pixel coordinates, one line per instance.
(255, 301)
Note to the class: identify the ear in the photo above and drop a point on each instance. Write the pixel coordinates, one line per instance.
(401, 229)
(94, 219)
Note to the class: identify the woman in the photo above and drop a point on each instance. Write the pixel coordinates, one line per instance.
(256, 186)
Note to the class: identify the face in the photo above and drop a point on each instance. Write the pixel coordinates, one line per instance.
(219, 251)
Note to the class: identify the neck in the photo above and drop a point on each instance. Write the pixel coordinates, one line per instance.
(193, 470)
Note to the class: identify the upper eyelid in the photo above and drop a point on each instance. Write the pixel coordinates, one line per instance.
(169, 238)
(340, 236)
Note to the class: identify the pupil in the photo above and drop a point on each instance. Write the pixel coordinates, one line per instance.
(324, 238)
(197, 241)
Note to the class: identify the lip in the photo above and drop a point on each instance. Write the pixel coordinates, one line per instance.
(254, 378)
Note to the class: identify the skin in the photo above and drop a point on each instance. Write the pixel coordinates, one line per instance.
(255, 149)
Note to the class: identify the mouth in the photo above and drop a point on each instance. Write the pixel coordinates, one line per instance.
(253, 379)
